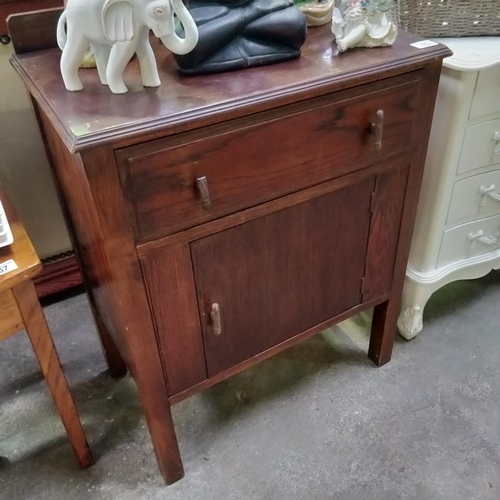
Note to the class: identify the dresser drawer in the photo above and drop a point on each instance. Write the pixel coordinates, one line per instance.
(481, 146)
(249, 161)
(477, 196)
(487, 94)
(468, 240)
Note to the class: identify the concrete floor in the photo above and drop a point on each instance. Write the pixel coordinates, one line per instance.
(316, 422)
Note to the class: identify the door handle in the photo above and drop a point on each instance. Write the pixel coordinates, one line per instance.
(377, 130)
(216, 319)
(202, 186)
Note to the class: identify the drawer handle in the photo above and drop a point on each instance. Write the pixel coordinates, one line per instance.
(492, 241)
(496, 138)
(488, 192)
(378, 130)
(202, 186)
(215, 317)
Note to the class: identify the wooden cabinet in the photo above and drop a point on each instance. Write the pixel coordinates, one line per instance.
(221, 219)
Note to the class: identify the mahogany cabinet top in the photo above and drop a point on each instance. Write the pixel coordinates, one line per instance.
(95, 116)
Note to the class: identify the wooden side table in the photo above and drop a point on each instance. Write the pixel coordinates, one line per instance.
(20, 308)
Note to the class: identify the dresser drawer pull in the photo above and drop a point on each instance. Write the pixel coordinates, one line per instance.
(492, 241)
(202, 186)
(215, 317)
(488, 192)
(378, 130)
(496, 138)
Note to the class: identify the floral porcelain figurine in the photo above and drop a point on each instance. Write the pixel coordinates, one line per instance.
(363, 23)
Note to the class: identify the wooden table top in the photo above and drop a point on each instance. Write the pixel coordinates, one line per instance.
(96, 116)
(21, 250)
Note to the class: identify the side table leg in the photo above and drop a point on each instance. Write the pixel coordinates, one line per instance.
(43, 345)
(383, 332)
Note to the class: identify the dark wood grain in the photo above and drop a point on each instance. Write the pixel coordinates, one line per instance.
(169, 276)
(280, 275)
(34, 29)
(58, 276)
(387, 206)
(39, 335)
(266, 161)
(386, 315)
(216, 226)
(95, 116)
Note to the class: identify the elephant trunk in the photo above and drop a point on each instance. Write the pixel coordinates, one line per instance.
(175, 43)
(61, 31)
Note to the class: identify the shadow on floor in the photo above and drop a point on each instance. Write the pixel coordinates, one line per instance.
(459, 294)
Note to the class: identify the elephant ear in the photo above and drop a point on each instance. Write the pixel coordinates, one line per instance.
(117, 18)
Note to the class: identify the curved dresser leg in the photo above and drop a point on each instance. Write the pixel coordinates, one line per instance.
(415, 297)
(410, 322)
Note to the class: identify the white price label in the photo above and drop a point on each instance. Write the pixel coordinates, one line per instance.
(424, 44)
(7, 267)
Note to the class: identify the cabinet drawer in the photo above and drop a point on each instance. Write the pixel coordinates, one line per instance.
(487, 95)
(468, 240)
(477, 196)
(481, 146)
(254, 160)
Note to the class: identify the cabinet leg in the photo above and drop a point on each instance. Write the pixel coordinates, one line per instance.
(154, 399)
(43, 345)
(116, 366)
(383, 332)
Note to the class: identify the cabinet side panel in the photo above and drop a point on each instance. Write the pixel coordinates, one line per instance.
(388, 203)
(127, 295)
(172, 293)
(385, 315)
(83, 223)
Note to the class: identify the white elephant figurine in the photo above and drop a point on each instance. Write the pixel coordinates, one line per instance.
(115, 30)
(363, 23)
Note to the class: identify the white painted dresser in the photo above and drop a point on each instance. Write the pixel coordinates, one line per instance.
(457, 233)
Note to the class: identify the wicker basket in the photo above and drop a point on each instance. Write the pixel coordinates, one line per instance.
(440, 18)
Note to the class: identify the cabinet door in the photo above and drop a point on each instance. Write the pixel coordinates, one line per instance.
(267, 280)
